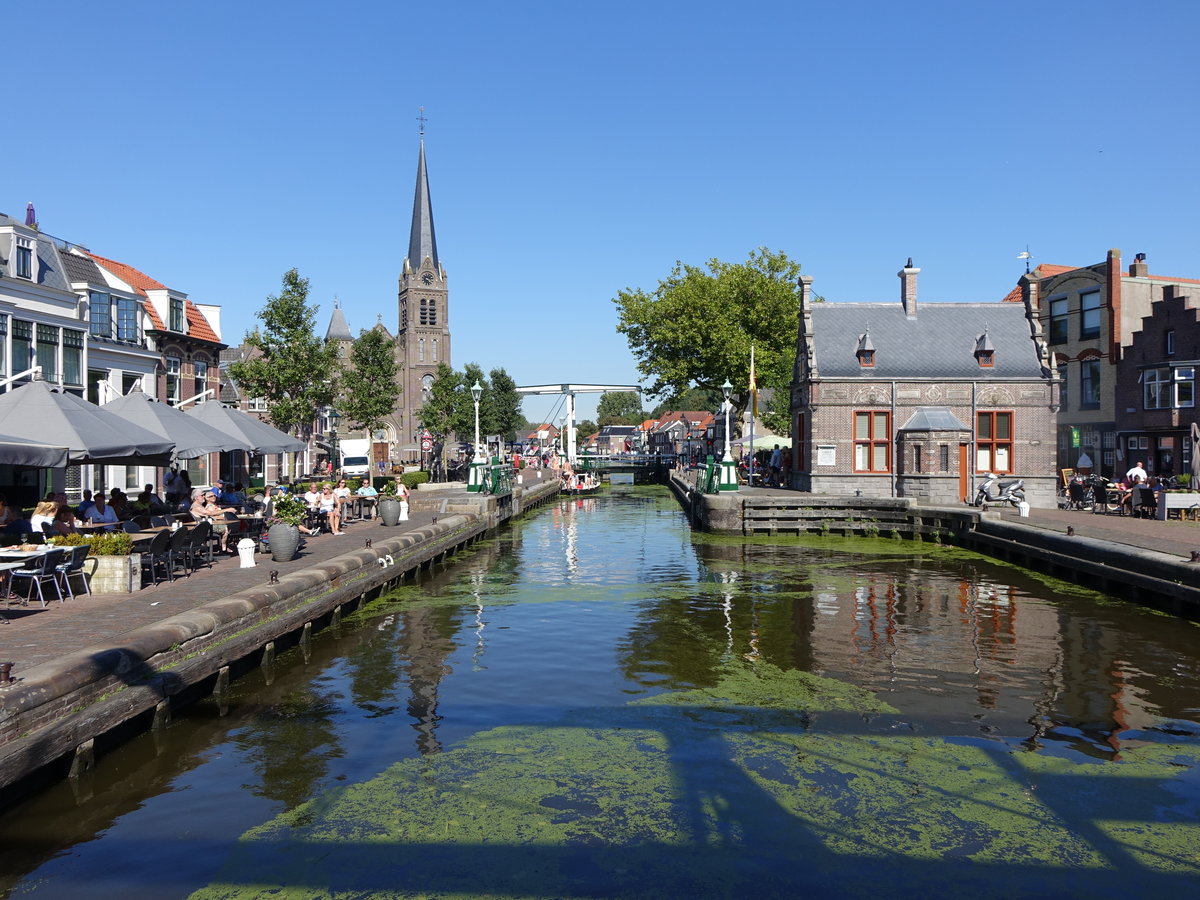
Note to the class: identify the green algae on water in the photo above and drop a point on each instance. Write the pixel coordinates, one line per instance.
(768, 783)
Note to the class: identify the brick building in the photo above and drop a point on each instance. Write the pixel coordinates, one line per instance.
(891, 402)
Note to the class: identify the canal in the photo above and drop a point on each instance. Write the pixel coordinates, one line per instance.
(598, 702)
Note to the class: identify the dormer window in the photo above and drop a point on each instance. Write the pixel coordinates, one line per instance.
(178, 320)
(865, 352)
(24, 258)
(985, 352)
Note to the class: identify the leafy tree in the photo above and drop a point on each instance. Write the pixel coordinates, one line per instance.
(776, 413)
(697, 326)
(464, 423)
(503, 410)
(585, 429)
(370, 387)
(691, 400)
(439, 413)
(620, 408)
(292, 368)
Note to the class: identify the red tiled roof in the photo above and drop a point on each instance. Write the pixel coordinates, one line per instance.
(198, 326)
(1041, 270)
(1180, 280)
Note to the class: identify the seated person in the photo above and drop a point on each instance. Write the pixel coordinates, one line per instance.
(7, 514)
(367, 497)
(269, 507)
(43, 515)
(150, 501)
(103, 514)
(85, 505)
(313, 495)
(236, 496)
(205, 506)
(343, 497)
(330, 509)
(64, 521)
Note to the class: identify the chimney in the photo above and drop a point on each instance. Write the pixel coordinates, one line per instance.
(30, 215)
(908, 288)
(1138, 268)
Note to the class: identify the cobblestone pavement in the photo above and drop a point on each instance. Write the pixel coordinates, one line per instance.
(35, 635)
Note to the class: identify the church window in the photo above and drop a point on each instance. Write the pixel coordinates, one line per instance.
(425, 312)
(421, 350)
(435, 359)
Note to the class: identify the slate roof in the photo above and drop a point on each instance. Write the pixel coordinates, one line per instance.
(81, 269)
(939, 342)
(48, 270)
(339, 329)
(422, 241)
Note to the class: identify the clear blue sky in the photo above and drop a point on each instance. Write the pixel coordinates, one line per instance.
(576, 149)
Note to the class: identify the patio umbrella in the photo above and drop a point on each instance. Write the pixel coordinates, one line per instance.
(253, 435)
(192, 437)
(37, 412)
(1195, 451)
(15, 451)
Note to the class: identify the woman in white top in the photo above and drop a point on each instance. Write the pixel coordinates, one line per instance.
(328, 503)
(43, 515)
(343, 497)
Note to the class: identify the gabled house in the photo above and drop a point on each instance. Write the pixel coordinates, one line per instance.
(681, 432)
(1088, 316)
(889, 400)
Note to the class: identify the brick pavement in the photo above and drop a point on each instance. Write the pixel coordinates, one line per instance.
(35, 635)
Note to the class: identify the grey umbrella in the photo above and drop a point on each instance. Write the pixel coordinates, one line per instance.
(192, 437)
(37, 412)
(15, 451)
(1195, 453)
(255, 436)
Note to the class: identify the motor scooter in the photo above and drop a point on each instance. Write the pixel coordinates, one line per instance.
(993, 490)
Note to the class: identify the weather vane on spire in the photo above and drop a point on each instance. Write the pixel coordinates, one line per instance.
(1027, 256)
(421, 118)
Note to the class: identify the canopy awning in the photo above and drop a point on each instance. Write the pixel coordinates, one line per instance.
(254, 435)
(37, 412)
(192, 438)
(15, 451)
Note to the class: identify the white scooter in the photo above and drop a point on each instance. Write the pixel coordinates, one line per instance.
(993, 490)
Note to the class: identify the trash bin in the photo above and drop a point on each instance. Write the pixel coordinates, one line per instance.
(1023, 509)
(245, 549)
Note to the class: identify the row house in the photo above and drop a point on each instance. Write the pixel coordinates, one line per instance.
(681, 432)
(891, 401)
(1088, 318)
(98, 328)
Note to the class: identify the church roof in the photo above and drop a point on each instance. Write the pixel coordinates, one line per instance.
(338, 329)
(422, 242)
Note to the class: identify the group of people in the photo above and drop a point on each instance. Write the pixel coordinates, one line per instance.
(328, 502)
(57, 514)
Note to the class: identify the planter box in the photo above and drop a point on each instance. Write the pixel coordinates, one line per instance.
(114, 574)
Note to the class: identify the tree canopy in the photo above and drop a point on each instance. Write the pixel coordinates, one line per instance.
(370, 389)
(450, 408)
(293, 369)
(696, 328)
(620, 408)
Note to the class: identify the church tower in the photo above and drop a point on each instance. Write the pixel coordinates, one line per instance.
(423, 338)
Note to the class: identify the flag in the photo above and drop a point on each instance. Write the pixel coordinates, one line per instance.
(753, 386)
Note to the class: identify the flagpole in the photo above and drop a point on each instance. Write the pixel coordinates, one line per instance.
(753, 412)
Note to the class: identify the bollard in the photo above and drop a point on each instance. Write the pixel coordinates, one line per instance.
(245, 549)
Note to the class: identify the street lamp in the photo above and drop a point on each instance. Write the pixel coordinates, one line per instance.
(475, 481)
(728, 480)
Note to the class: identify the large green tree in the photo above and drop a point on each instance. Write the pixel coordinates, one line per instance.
(440, 411)
(293, 369)
(370, 389)
(620, 408)
(696, 328)
(503, 411)
(691, 400)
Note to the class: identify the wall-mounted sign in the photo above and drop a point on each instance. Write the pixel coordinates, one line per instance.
(826, 455)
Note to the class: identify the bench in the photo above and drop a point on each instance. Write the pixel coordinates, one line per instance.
(1187, 502)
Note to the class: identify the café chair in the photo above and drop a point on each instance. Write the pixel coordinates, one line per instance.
(40, 569)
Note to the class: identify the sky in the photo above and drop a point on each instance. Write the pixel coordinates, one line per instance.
(578, 149)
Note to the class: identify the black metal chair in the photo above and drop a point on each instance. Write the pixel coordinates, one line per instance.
(159, 522)
(131, 527)
(177, 550)
(73, 565)
(41, 569)
(157, 555)
(48, 530)
(198, 549)
(1077, 494)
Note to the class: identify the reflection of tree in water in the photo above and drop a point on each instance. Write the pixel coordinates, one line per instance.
(290, 743)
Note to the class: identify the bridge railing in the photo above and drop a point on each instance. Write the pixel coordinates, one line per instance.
(498, 479)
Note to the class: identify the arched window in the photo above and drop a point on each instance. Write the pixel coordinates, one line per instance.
(435, 358)
(421, 348)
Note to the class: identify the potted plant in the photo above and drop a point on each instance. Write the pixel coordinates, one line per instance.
(116, 568)
(389, 503)
(283, 526)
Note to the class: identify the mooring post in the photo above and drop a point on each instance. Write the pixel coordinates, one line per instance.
(85, 758)
(162, 715)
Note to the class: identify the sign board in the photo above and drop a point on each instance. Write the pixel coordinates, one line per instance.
(826, 455)
(426, 444)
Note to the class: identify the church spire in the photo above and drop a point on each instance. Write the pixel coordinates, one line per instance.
(422, 242)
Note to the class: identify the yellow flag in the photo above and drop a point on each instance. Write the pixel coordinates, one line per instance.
(753, 386)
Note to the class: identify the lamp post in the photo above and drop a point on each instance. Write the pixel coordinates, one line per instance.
(728, 480)
(335, 419)
(475, 479)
